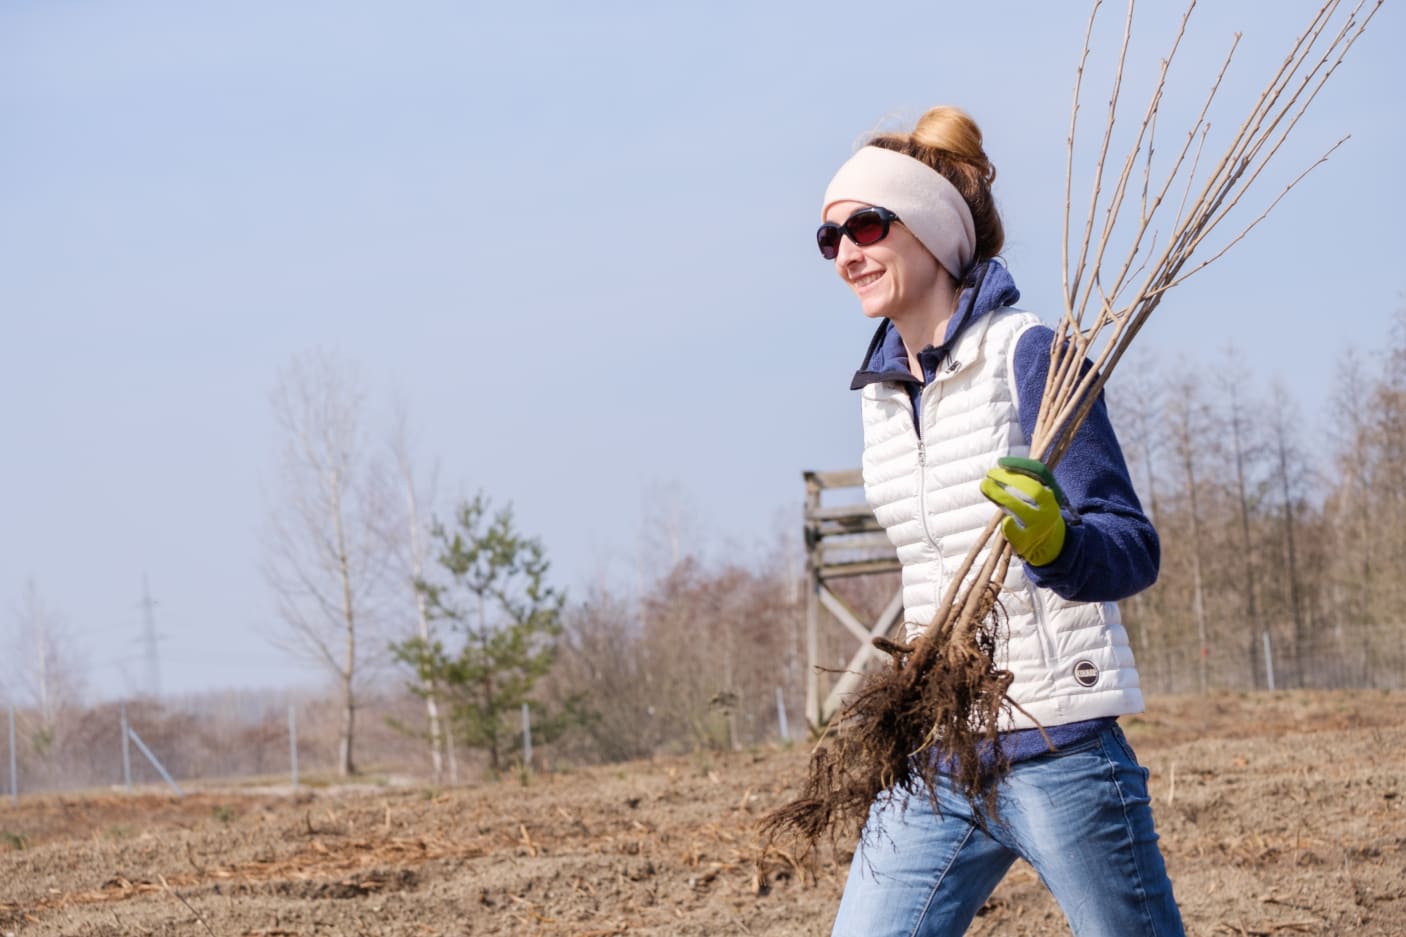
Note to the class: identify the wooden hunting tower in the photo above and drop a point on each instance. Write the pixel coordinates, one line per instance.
(841, 540)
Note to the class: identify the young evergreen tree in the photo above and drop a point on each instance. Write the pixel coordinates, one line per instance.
(506, 622)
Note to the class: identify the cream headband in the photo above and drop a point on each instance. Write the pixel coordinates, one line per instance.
(929, 205)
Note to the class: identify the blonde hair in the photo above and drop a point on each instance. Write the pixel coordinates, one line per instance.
(948, 140)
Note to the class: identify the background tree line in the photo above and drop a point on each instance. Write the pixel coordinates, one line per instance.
(1281, 546)
(1282, 560)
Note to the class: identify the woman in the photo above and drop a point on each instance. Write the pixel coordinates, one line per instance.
(950, 389)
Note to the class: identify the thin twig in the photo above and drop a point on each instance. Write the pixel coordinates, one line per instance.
(1069, 160)
(1103, 152)
(177, 896)
(1114, 209)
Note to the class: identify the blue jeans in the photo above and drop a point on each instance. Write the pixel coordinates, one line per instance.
(1080, 816)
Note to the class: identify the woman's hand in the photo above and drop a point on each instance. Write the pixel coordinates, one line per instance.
(1027, 491)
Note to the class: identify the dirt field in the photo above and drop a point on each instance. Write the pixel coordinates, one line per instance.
(1279, 815)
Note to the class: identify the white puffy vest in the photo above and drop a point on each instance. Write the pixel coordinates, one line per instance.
(1071, 660)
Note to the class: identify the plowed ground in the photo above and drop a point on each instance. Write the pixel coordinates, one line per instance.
(1279, 814)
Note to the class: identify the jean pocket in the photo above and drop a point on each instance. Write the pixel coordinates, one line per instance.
(1124, 747)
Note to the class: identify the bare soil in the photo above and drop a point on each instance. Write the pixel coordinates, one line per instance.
(1280, 814)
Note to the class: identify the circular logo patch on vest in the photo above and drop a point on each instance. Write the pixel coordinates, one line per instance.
(1086, 673)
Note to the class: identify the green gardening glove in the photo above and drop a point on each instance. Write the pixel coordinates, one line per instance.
(1027, 491)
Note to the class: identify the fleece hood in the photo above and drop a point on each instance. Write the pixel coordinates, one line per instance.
(988, 286)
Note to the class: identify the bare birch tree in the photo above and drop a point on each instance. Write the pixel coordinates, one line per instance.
(326, 551)
(416, 550)
(46, 667)
(492, 589)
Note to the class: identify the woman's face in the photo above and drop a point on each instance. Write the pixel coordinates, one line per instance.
(893, 276)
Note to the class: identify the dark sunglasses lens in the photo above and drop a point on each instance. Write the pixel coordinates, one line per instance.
(866, 227)
(828, 237)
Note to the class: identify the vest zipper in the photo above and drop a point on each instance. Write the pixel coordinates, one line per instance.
(923, 474)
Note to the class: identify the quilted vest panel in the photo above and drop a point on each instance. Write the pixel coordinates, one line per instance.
(1071, 660)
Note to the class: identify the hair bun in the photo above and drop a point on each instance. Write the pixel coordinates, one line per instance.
(952, 131)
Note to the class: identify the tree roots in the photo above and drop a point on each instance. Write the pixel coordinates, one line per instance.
(934, 710)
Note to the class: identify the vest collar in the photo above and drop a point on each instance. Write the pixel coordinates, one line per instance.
(987, 286)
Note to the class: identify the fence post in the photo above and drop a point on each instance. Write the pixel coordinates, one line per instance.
(526, 736)
(155, 762)
(781, 716)
(126, 753)
(293, 741)
(1268, 662)
(14, 768)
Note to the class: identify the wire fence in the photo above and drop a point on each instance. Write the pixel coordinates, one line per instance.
(174, 744)
(1356, 656)
(218, 738)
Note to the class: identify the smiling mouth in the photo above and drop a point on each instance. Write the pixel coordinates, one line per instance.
(868, 278)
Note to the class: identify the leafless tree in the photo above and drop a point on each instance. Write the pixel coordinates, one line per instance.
(1135, 404)
(1387, 455)
(46, 667)
(1355, 509)
(1289, 474)
(671, 532)
(1242, 454)
(415, 550)
(327, 551)
(1187, 417)
(603, 663)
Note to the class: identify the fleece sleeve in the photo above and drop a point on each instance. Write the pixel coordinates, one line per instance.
(1111, 550)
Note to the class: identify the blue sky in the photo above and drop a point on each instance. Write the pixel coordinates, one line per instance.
(574, 239)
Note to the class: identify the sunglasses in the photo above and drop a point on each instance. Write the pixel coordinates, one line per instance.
(866, 226)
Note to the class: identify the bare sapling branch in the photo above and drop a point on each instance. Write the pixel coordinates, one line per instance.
(1069, 159)
(1258, 218)
(1225, 209)
(1113, 211)
(1097, 186)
